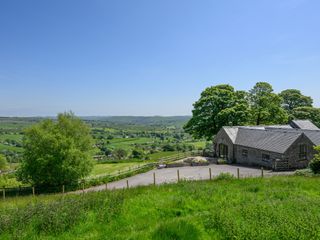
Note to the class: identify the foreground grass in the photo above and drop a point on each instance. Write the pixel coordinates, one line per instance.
(273, 208)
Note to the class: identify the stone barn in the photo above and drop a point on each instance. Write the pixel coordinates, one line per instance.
(280, 147)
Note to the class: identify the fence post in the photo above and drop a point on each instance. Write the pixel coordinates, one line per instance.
(62, 189)
(178, 175)
(238, 173)
(83, 187)
(210, 174)
(106, 186)
(127, 183)
(4, 193)
(262, 172)
(33, 191)
(154, 178)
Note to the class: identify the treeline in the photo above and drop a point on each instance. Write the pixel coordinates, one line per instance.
(138, 123)
(222, 105)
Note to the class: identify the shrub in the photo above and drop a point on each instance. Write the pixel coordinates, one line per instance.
(224, 176)
(304, 172)
(315, 162)
(3, 163)
(221, 161)
(315, 166)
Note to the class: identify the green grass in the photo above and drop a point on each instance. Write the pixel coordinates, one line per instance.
(200, 144)
(273, 208)
(11, 148)
(112, 168)
(159, 155)
(16, 137)
(128, 143)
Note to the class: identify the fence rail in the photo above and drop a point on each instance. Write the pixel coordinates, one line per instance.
(30, 190)
(89, 182)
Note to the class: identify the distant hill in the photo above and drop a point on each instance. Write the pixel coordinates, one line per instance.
(177, 121)
(140, 122)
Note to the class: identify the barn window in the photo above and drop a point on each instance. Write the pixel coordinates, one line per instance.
(303, 152)
(245, 153)
(265, 157)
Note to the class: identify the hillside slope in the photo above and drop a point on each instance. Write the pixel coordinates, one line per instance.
(273, 208)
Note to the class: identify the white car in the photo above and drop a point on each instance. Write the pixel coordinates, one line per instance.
(160, 166)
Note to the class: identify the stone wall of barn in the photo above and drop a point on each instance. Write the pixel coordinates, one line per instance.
(292, 155)
(254, 157)
(223, 138)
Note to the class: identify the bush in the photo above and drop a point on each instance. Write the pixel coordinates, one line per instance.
(304, 172)
(315, 166)
(315, 162)
(168, 148)
(3, 163)
(221, 161)
(224, 176)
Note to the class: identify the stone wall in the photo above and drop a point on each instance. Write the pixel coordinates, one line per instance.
(292, 155)
(223, 138)
(254, 157)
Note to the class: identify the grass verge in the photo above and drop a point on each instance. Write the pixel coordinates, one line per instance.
(271, 208)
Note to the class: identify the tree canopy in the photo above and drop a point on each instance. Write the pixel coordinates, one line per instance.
(57, 152)
(292, 98)
(310, 113)
(266, 105)
(222, 105)
(218, 106)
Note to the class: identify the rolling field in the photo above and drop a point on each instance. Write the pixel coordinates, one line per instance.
(270, 208)
(10, 148)
(112, 168)
(128, 143)
(145, 135)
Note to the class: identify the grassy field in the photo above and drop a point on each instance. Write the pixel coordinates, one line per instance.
(273, 208)
(112, 168)
(11, 148)
(128, 143)
(159, 155)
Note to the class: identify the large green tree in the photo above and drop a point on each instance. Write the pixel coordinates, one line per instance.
(218, 106)
(57, 152)
(309, 113)
(293, 98)
(266, 105)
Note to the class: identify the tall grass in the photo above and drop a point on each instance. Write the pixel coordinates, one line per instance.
(273, 208)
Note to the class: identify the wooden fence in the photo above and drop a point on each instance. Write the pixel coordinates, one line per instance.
(85, 183)
(94, 181)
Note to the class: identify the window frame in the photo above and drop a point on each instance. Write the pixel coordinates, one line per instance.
(244, 153)
(303, 152)
(265, 157)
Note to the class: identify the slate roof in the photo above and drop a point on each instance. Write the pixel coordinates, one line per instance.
(267, 140)
(313, 135)
(304, 124)
(277, 138)
(232, 133)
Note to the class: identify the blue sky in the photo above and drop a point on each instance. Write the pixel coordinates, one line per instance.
(143, 57)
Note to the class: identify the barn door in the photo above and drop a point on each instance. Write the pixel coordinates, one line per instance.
(223, 151)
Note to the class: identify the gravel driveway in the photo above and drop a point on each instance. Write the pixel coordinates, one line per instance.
(170, 175)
